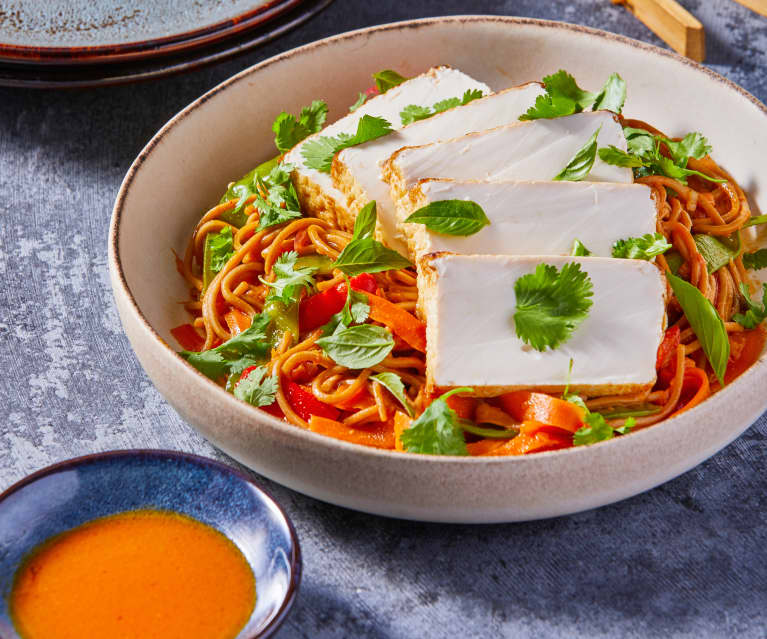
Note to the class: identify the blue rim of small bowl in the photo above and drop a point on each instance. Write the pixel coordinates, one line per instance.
(295, 558)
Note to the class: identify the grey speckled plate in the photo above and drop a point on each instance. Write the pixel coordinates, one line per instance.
(87, 32)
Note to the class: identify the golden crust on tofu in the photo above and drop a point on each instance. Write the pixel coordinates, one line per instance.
(316, 202)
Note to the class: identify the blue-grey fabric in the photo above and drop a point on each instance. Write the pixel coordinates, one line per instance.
(687, 559)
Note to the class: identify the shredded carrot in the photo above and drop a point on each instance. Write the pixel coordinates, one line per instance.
(237, 321)
(401, 423)
(533, 438)
(377, 434)
(527, 406)
(463, 406)
(188, 338)
(400, 321)
(695, 388)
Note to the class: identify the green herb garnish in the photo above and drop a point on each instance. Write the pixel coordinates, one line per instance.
(551, 304)
(318, 152)
(393, 383)
(289, 131)
(258, 388)
(641, 248)
(756, 313)
(412, 112)
(451, 217)
(358, 347)
(581, 163)
(437, 430)
(564, 97)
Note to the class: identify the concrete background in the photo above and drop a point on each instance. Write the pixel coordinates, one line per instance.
(687, 559)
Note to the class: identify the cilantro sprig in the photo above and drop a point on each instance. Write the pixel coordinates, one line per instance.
(290, 279)
(641, 248)
(437, 431)
(257, 388)
(249, 348)
(289, 130)
(596, 429)
(551, 304)
(387, 79)
(318, 152)
(579, 249)
(756, 312)
(413, 112)
(645, 157)
(756, 260)
(217, 251)
(564, 97)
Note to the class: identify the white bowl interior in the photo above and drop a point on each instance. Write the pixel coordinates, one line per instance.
(186, 167)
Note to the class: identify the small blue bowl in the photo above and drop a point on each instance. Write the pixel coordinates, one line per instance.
(73, 492)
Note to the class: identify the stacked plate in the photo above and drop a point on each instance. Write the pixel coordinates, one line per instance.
(77, 43)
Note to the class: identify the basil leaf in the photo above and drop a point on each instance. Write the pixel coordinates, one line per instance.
(705, 323)
(365, 223)
(580, 166)
(451, 217)
(756, 260)
(358, 346)
(612, 97)
(393, 383)
(437, 430)
(579, 250)
(717, 251)
(368, 256)
(387, 79)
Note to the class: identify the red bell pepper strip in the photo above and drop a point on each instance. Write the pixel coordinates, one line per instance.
(666, 361)
(305, 404)
(188, 338)
(316, 311)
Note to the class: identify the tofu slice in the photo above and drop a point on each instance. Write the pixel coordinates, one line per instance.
(315, 189)
(535, 218)
(357, 171)
(471, 340)
(534, 150)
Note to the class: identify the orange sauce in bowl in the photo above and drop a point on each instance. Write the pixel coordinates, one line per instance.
(143, 574)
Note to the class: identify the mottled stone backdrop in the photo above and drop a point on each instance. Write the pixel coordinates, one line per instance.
(687, 559)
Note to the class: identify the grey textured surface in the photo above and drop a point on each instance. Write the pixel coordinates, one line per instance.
(687, 559)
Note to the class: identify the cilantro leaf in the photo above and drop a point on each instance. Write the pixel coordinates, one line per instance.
(249, 348)
(219, 246)
(641, 248)
(693, 145)
(393, 383)
(437, 431)
(289, 131)
(598, 430)
(580, 165)
(579, 250)
(756, 313)
(756, 260)
(451, 217)
(564, 97)
(358, 347)
(613, 155)
(289, 280)
(386, 79)
(363, 254)
(551, 304)
(361, 98)
(412, 112)
(257, 388)
(705, 323)
(318, 152)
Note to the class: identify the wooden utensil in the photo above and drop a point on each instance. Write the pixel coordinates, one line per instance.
(673, 24)
(760, 6)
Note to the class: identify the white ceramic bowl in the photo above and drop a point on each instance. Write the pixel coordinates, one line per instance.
(226, 132)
